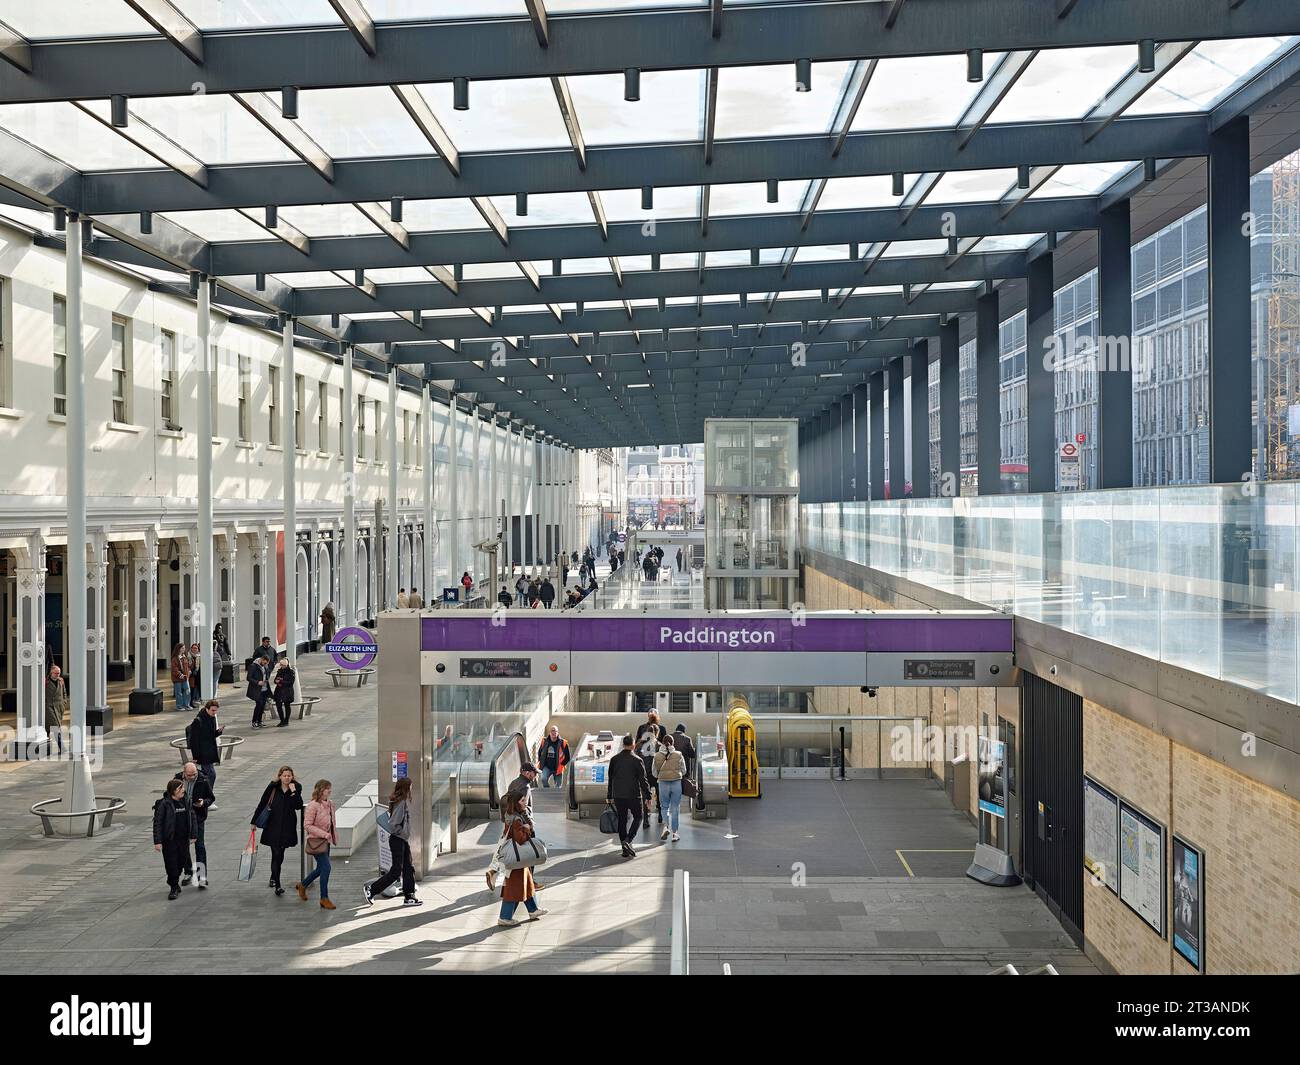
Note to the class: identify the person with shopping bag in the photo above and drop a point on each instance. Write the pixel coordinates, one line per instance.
(399, 847)
(518, 886)
(277, 816)
(318, 825)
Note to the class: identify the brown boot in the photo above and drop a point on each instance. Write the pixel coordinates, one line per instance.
(325, 904)
(302, 891)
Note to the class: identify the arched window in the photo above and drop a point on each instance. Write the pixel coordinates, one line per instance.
(302, 596)
(361, 582)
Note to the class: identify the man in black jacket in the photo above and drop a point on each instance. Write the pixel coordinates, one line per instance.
(683, 743)
(258, 688)
(198, 801)
(629, 791)
(202, 740)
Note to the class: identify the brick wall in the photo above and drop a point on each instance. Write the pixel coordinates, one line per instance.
(1250, 835)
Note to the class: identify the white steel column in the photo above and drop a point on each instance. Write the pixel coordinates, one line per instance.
(289, 438)
(394, 525)
(204, 609)
(453, 492)
(430, 521)
(494, 500)
(349, 575)
(476, 487)
(79, 787)
(75, 430)
(509, 496)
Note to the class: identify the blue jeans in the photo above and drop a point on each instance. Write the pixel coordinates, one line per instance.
(182, 690)
(508, 908)
(200, 848)
(670, 801)
(550, 774)
(322, 870)
(210, 771)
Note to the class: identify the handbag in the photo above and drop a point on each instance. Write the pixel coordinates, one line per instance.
(689, 789)
(317, 846)
(523, 855)
(248, 860)
(609, 821)
(264, 817)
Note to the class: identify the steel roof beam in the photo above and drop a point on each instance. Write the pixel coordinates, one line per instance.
(596, 43)
(649, 284)
(168, 21)
(725, 233)
(15, 49)
(632, 166)
(467, 327)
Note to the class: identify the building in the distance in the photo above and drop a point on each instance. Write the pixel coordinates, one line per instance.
(665, 484)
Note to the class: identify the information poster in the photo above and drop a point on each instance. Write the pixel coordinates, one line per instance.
(992, 779)
(1189, 902)
(1101, 833)
(1142, 866)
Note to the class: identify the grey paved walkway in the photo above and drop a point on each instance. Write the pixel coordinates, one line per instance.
(100, 906)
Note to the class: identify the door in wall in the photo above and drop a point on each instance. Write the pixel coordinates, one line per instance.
(1051, 780)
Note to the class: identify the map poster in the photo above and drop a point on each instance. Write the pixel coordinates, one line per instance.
(1188, 915)
(1142, 866)
(992, 777)
(1101, 833)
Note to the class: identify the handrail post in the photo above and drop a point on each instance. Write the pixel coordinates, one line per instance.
(453, 818)
(843, 776)
(681, 931)
(880, 764)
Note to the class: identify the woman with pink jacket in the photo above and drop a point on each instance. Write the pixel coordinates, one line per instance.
(318, 823)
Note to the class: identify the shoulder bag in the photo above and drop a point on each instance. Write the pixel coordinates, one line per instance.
(317, 846)
(516, 855)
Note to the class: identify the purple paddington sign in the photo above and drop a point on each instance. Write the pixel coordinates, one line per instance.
(962, 635)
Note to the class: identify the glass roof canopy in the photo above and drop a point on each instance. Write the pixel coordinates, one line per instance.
(685, 223)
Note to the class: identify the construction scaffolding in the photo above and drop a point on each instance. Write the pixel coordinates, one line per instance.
(1282, 413)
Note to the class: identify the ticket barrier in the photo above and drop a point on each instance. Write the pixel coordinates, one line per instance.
(588, 776)
(711, 778)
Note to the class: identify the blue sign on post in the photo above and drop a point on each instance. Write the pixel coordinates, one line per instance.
(353, 648)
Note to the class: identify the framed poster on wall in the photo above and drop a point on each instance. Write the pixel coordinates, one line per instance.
(1188, 902)
(1142, 866)
(1101, 833)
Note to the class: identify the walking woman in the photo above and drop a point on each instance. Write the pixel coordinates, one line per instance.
(172, 833)
(280, 803)
(670, 767)
(518, 886)
(283, 679)
(318, 824)
(399, 847)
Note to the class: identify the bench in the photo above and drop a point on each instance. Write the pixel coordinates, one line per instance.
(355, 820)
(225, 748)
(349, 678)
(304, 705)
(104, 807)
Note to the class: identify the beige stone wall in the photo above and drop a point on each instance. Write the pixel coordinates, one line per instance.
(1250, 835)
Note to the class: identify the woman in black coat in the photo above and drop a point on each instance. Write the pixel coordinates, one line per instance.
(282, 800)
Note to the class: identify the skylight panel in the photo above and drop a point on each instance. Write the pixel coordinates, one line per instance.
(762, 101)
(857, 193)
(431, 216)
(1063, 83)
(328, 220)
(73, 18)
(362, 121)
(1208, 73)
(503, 115)
(219, 225)
(213, 128)
(917, 92)
(256, 14)
(66, 133)
(668, 111)
(547, 209)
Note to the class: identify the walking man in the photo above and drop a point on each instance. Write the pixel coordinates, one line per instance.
(629, 793)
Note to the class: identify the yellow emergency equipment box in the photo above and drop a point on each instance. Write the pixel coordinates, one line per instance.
(742, 751)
